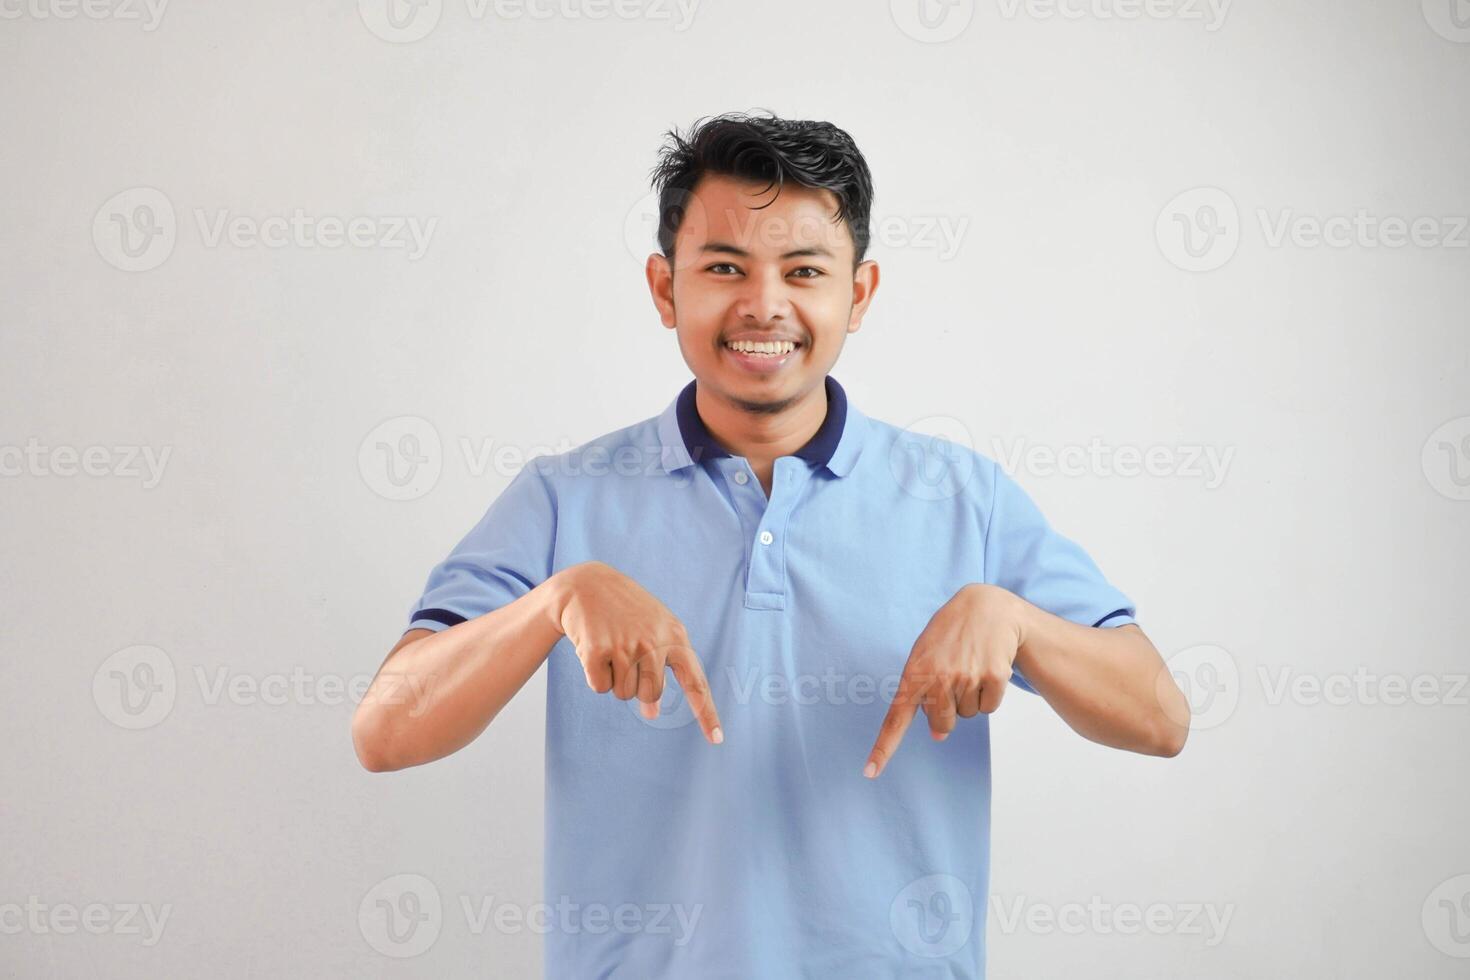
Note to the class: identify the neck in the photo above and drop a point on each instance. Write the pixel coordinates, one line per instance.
(762, 431)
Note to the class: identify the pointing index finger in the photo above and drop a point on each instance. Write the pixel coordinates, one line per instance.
(900, 713)
(690, 675)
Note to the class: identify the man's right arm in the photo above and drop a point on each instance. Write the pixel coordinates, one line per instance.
(437, 691)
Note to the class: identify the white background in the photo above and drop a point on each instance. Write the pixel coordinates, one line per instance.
(1335, 540)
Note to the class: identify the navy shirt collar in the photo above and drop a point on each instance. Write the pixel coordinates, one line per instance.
(818, 449)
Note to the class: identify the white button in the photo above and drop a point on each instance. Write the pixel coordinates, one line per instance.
(767, 537)
(740, 477)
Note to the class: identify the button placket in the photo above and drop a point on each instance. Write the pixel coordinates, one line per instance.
(766, 586)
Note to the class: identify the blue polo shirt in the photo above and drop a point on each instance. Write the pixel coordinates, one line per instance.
(769, 855)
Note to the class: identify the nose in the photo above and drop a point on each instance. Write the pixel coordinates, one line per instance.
(763, 297)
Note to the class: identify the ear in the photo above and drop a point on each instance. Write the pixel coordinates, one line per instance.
(660, 276)
(864, 285)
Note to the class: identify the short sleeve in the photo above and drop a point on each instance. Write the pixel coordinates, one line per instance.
(1026, 556)
(504, 556)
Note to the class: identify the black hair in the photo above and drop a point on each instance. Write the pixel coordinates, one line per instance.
(764, 147)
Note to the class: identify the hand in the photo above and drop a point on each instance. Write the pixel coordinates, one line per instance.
(960, 664)
(624, 638)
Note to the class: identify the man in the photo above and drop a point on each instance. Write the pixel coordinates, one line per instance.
(771, 585)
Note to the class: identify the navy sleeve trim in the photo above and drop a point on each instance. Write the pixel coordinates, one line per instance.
(1112, 615)
(439, 616)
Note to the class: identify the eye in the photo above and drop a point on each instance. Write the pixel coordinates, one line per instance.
(718, 265)
(815, 272)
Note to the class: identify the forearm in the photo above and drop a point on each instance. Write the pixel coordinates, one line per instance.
(436, 694)
(1108, 683)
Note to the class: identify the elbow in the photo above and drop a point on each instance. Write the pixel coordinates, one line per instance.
(1171, 719)
(370, 743)
(1169, 739)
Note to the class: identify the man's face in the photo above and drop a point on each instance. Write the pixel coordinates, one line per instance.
(783, 272)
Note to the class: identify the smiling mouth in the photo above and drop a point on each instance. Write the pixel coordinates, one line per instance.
(773, 349)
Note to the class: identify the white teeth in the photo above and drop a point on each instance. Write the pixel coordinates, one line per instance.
(768, 347)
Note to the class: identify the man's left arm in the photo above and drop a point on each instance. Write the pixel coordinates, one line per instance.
(1108, 683)
(1021, 623)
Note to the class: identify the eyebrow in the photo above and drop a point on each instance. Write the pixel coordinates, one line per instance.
(726, 248)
